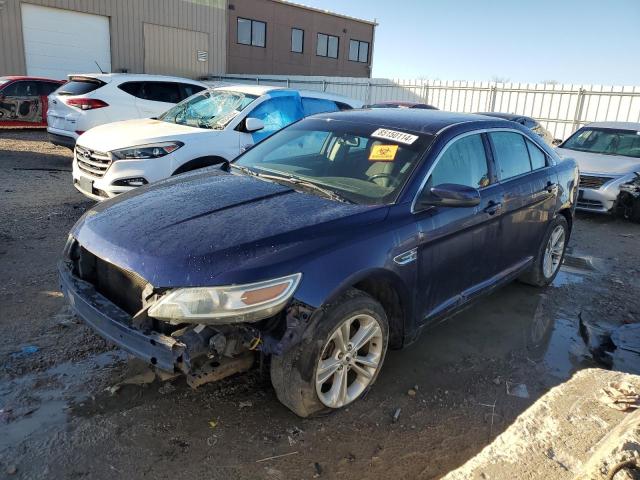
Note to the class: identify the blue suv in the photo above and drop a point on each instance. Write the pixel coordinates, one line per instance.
(337, 237)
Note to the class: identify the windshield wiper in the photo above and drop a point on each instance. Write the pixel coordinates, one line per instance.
(245, 170)
(331, 194)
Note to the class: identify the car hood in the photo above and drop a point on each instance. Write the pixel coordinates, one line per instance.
(601, 164)
(211, 227)
(131, 133)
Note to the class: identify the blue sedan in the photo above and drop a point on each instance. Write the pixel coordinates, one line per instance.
(336, 238)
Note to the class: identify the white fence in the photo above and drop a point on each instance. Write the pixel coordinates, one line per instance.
(560, 108)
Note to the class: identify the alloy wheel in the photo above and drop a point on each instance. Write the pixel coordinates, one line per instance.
(553, 252)
(349, 361)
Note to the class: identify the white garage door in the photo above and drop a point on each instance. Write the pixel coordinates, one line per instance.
(59, 42)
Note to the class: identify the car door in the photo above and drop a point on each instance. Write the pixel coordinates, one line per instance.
(20, 103)
(157, 97)
(456, 246)
(276, 112)
(529, 188)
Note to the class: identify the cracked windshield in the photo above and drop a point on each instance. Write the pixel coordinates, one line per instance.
(214, 109)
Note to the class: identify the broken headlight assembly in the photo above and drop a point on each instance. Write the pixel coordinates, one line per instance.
(226, 304)
(141, 152)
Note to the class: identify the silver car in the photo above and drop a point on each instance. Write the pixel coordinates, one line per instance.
(608, 155)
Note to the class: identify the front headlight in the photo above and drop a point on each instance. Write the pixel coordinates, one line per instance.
(229, 304)
(154, 150)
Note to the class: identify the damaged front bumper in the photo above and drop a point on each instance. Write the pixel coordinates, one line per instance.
(114, 324)
(203, 353)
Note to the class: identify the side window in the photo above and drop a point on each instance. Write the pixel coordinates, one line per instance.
(318, 105)
(47, 88)
(132, 88)
(276, 113)
(463, 163)
(187, 89)
(511, 152)
(22, 89)
(167, 92)
(538, 158)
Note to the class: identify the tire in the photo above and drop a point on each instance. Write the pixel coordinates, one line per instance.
(294, 373)
(536, 275)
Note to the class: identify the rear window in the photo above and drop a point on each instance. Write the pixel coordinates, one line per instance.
(80, 87)
(188, 89)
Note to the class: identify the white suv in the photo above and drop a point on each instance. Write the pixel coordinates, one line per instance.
(86, 101)
(209, 128)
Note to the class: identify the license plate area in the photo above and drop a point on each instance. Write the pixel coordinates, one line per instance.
(85, 184)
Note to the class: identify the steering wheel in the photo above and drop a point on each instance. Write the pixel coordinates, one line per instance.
(390, 177)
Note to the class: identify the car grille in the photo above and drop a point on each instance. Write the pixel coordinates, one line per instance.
(123, 288)
(92, 162)
(593, 182)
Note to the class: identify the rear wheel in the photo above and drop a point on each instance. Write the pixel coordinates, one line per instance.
(340, 361)
(550, 254)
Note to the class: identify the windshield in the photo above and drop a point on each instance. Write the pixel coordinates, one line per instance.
(607, 141)
(362, 164)
(212, 109)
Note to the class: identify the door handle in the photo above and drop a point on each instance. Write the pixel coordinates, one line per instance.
(551, 187)
(493, 207)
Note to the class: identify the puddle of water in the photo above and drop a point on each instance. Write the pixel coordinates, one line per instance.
(513, 320)
(48, 396)
(567, 277)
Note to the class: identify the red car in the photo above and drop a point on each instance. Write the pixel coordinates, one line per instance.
(23, 100)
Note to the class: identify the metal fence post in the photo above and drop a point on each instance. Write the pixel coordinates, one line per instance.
(368, 93)
(579, 106)
(493, 91)
(324, 85)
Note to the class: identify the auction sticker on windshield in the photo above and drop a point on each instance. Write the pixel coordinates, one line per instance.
(383, 153)
(394, 135)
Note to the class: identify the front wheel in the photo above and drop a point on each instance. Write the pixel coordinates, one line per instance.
(550, 254)
(340, 360)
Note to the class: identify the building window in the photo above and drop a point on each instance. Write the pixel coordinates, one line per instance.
(359, 51)
(252, 32)
(327, 46)
(297, 40)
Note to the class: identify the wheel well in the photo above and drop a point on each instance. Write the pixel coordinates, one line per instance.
(200, 162)
(568, 217)
(383, 290)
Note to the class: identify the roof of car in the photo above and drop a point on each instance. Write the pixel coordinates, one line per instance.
(617, 125)
(401, 104)
(249, 89)
(506, 116)
(24, 77)
(108, 77)
(416, 120)
(264, 89)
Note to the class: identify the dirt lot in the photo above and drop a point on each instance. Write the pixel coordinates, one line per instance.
(58, 420)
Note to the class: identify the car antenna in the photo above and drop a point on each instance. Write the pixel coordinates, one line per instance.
(101, 71)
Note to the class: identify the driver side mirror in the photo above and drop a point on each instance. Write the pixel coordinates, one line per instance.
(556, 142)
(449, 195)
(253, 124)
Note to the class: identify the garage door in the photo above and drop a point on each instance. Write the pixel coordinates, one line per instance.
(59, 42)
(175, 51)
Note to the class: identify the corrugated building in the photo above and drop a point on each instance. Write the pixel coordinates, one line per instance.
(192, 38)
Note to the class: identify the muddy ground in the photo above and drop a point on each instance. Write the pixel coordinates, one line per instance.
(58, 419)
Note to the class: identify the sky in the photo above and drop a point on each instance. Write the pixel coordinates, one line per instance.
(566, 41)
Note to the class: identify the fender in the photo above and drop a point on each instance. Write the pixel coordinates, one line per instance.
(200, 162)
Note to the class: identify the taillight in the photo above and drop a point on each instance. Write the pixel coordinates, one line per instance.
(86, 103)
